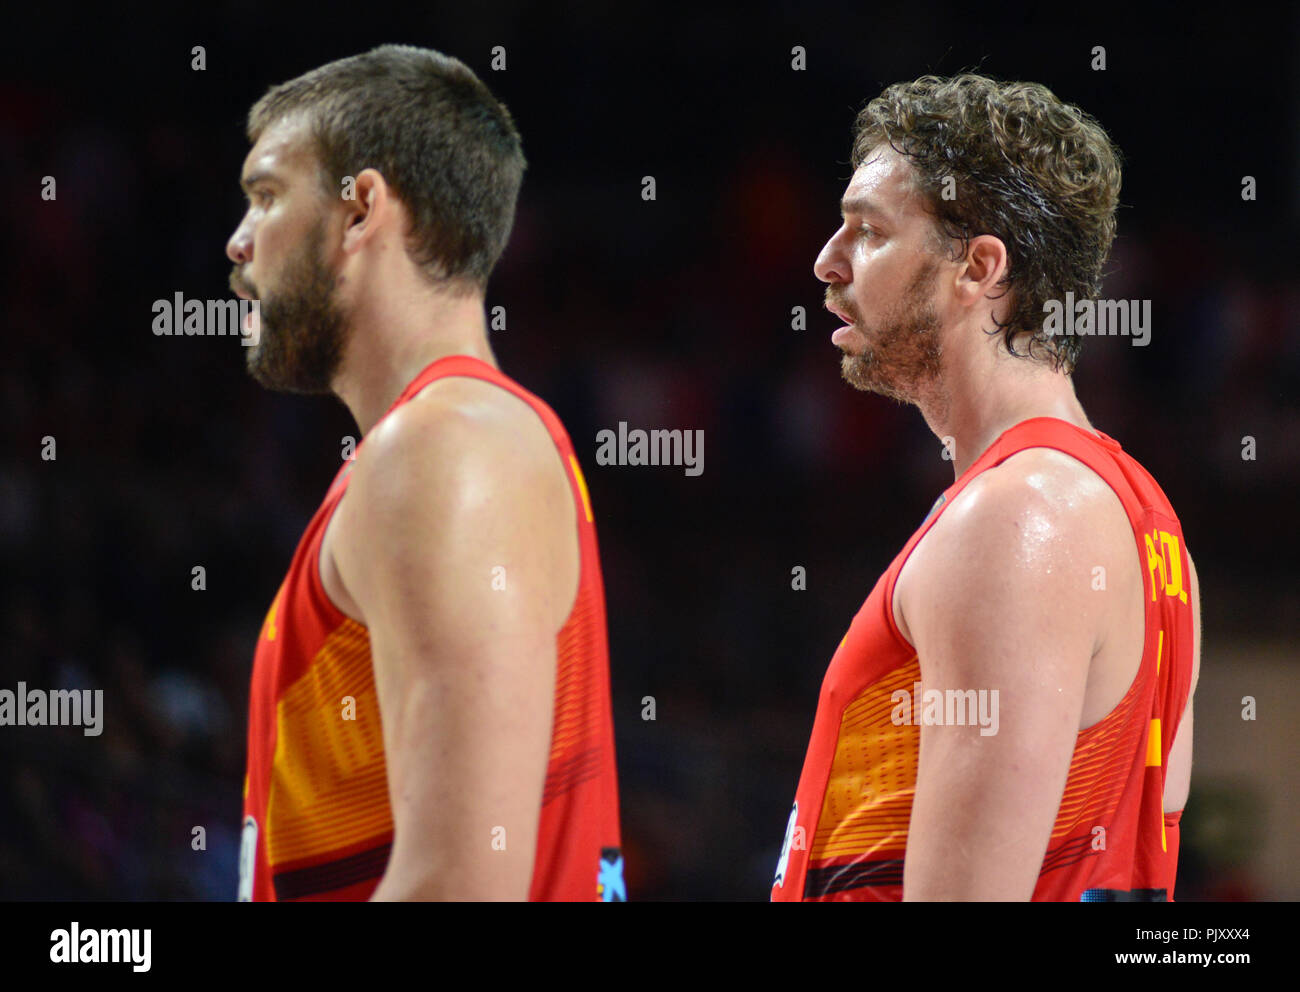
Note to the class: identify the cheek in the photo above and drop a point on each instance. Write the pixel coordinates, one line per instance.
(268, 246)
(877, 274)
(870, 283)
(869, 261)
(263, 235)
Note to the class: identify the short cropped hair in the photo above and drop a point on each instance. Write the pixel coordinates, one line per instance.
(446, 146)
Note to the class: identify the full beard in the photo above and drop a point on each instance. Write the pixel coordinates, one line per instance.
(902, 355)
(303, 329)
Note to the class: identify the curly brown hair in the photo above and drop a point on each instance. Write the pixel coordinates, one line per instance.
(1039, 174)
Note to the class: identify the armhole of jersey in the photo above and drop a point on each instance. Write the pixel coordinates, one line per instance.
(316, 574)
(891, 583)
(1070, 440)
(948, 496)
(1131, 506)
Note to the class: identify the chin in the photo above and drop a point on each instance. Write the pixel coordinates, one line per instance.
(856, 371)
(864, 377)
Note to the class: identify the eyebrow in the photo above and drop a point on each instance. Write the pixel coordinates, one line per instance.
(861, 205)
(253, 178)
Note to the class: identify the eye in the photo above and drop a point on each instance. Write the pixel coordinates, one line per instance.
(868, 232)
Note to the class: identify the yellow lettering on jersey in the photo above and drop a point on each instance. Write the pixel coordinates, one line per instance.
(1173, 563)
(1165, 562)
(1153, 744)
(582, 487)
(1155, 564)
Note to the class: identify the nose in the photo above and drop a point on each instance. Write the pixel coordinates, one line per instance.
(239, 249)
(831, 264)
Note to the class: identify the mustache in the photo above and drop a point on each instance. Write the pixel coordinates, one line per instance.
(843, 304)
(237, 284)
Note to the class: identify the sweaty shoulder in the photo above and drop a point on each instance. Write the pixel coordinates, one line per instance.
(460, 414)
(1038, 523)
(465, 470)
(1042, 478)
(1042, 494)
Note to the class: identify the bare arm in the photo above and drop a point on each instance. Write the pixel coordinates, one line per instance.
(456, 528)
(1001, 611)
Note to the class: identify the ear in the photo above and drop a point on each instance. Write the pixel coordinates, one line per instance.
(369, 209)
(981, 270)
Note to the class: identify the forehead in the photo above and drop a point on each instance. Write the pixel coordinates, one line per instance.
(283, 148)
(885, 180)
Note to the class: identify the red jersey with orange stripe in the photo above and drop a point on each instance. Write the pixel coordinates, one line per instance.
(317, 820)
(846, 838)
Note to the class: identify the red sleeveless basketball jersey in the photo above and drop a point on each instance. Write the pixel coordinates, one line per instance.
(317, 820)
(846, 838)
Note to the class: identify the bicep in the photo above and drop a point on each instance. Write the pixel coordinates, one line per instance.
(1002, 614)
(985, 802)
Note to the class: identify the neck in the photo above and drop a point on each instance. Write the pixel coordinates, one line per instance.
(390, 343)
(983, 393)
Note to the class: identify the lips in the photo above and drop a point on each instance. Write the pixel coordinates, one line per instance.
(839, 313)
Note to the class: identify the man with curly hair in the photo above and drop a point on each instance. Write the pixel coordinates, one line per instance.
(1009, 715)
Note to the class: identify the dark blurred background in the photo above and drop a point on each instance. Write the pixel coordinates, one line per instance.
(674, 313)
